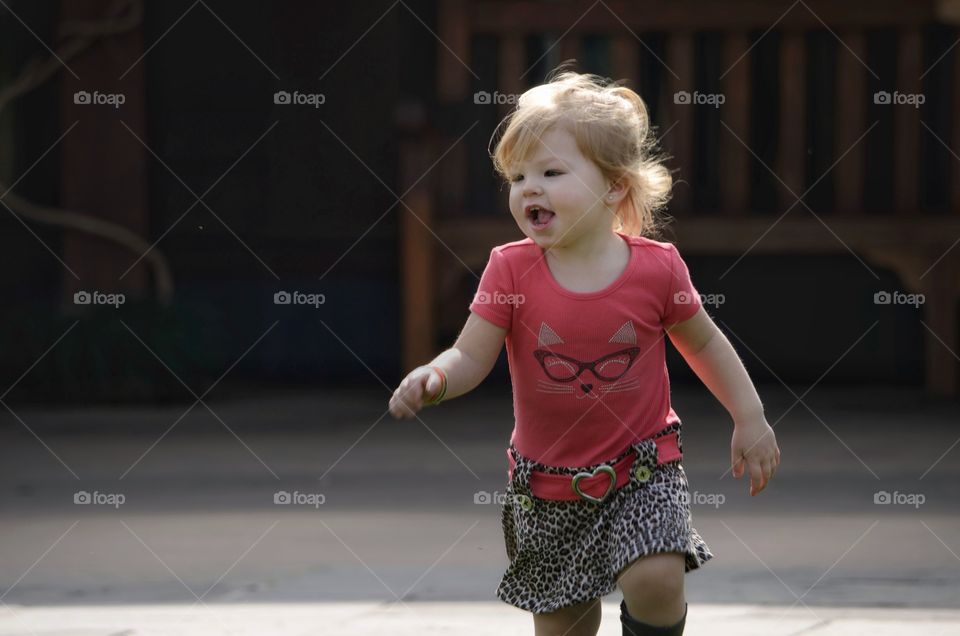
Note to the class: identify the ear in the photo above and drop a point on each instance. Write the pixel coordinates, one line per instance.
(616, 193)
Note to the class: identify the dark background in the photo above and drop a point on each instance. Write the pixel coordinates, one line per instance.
(302, 201)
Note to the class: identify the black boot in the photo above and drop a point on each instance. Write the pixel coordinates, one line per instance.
(633, 627)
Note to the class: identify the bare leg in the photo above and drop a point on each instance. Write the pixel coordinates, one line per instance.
(653, 588)
(582, 619)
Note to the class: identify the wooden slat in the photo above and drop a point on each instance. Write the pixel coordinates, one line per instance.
(956, 132)
(851, 118)
(805, 234)
(679, 140)
(499, 16)
(718, 234)
(625, 59)
(104, 167)
(512, 66)
(906, 118)
(453, 86)
(940, 310)
(734, 157)
(791, 161)
(453, 184)
(417, 248)
(453, 80)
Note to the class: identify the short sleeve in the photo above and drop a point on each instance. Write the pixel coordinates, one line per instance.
(494, 300)
(683, 299)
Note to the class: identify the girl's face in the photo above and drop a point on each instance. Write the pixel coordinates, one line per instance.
(558, 196)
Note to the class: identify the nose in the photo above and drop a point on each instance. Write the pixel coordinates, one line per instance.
(531, 188)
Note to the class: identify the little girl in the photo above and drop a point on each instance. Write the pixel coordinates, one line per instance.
(597, 496)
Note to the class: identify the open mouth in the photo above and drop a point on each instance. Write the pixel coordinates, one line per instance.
(540, 217)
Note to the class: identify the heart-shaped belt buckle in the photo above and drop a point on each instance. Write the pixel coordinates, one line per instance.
(603, 468)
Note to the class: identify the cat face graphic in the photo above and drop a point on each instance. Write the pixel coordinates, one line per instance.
(586, 378)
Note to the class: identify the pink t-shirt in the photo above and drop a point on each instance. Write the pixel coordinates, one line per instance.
(588, 369)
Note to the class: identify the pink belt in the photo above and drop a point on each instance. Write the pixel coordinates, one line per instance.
(596, 485)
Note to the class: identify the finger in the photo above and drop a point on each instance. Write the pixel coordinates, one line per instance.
(393, 405)
(407, 393)
(765, 473)
(756, 477)
(404, 404)
(416, 401)
(433, 383)
(412, 403)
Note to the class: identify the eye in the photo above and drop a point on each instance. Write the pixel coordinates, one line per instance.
(552, 173)
(516, 178)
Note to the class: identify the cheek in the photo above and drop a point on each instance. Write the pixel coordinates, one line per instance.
(514, 199)
(589, 198)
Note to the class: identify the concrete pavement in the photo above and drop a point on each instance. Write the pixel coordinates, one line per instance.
(402, 517)
(478, 619)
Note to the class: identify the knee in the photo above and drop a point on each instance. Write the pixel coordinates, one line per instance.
(582, 619)
(656, 578)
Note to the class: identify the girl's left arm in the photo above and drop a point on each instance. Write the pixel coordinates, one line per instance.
(711, 356)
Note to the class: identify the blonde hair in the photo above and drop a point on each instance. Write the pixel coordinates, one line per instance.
(611, 127)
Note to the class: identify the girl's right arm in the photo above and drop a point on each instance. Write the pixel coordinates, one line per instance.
(465, 364)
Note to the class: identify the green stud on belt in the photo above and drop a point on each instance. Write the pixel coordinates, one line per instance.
(643, 473)
(525, 502)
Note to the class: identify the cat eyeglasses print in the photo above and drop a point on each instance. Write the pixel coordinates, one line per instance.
(550, 362)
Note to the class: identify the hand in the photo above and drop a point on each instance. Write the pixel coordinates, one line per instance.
(754, 446)
(420, 384)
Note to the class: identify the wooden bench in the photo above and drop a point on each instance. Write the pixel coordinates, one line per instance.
(457, 213)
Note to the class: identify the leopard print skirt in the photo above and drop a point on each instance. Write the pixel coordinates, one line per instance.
(567, 552)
